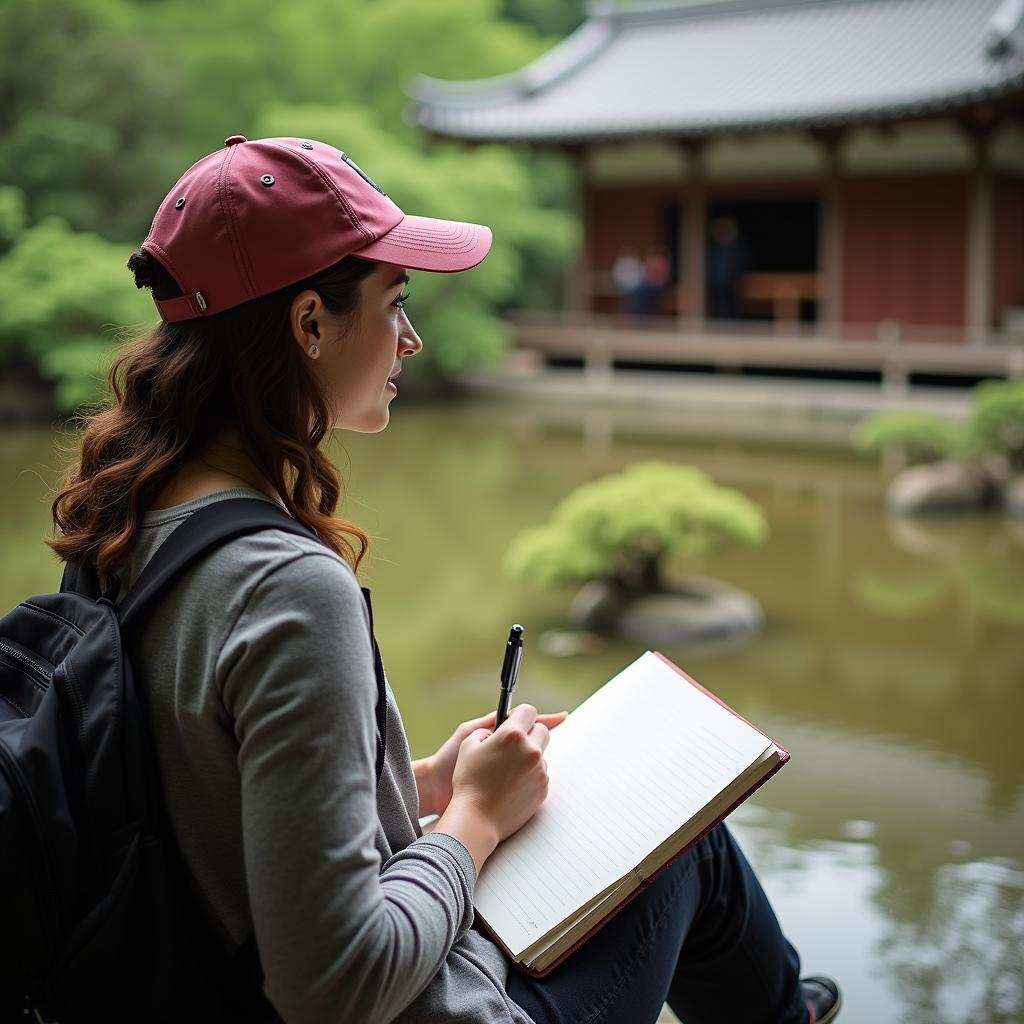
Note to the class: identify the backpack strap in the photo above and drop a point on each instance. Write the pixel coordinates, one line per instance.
(81, 578)
(205, 529)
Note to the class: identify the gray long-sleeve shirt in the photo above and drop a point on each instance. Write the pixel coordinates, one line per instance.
(258, 672)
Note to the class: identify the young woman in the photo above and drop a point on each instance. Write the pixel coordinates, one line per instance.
(280, 270)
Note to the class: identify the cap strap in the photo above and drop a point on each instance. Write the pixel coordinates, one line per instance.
(184, 307)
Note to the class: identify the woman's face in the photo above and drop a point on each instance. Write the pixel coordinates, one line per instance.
(359, 352)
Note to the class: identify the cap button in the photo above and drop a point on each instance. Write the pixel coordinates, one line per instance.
(233, 140)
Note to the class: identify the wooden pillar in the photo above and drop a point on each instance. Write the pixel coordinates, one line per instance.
(682, 266)
(830, 238)
(979, 242)
(694, 235)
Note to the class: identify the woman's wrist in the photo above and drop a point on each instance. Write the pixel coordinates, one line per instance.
(463, 821)
(423, 772)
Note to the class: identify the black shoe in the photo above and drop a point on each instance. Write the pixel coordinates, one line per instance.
(821, 994)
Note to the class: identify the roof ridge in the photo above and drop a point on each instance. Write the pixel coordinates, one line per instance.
(578, 48)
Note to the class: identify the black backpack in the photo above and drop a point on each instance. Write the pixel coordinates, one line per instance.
(99, 920)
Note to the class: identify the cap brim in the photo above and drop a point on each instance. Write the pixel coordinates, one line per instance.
(424, 243)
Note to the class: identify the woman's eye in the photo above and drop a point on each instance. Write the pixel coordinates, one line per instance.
(401, 300)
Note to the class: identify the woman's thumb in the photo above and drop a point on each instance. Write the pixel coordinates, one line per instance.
(476, 736)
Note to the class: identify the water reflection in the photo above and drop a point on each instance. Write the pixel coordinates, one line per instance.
(941, 947)
(891, 665)
(978, 562)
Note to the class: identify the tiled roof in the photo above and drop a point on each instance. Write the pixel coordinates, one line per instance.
(708, 67)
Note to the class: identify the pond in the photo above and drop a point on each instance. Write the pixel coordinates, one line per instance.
(891, 666)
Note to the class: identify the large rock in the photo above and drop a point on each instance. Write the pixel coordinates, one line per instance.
(694, 612)
(940, 487)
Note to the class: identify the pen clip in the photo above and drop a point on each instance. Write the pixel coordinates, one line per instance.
(517, 658)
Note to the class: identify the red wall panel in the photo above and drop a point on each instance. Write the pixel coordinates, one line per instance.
(620, 217)
(904, 249)
(1008, 260)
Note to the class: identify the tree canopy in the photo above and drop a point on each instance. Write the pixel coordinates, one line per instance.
(925, 433)
(621, 527)
(994, 426)
(996, 422)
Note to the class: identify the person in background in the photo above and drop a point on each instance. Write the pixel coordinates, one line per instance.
(657, 275)
(628, 278)
(727, 263)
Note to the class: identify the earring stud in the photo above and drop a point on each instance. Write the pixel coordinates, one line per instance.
(314, 351)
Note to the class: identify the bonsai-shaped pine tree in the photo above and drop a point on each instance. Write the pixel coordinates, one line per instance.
(622, 527)
(996, 423)
(925, 435)
(995, 427)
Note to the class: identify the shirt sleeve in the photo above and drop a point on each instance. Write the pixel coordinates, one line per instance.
(339, 938)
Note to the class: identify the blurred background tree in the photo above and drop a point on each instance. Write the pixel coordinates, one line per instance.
(89, 113)
(623, 527)
(994, 426)
(107, 102)
(924, 435)
(62, 298)
(996, 421)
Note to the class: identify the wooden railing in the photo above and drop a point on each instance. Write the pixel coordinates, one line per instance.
(892, 350)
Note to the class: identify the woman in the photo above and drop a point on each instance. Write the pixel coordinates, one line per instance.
(279, 269)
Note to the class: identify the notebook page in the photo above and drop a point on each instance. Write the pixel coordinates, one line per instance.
(633, 763)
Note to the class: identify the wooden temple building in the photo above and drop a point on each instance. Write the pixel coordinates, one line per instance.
(848, 174)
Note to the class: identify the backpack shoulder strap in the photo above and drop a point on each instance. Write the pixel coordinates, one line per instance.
(81, 578)
(205, 529)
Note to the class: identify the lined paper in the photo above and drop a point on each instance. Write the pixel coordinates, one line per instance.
(628, 768)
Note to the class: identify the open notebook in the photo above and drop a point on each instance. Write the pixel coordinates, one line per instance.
(638, 773)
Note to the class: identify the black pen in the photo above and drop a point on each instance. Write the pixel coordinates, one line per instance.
(509, 671)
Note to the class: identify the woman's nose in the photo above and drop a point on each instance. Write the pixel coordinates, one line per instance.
(408, 338)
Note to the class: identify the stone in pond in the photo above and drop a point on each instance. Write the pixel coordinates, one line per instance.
(938, 487)
(694, 612)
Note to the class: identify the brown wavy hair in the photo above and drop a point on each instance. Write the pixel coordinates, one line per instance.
(175, 387)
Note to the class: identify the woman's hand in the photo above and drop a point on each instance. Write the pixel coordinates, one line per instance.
(499, 782)
(438, 781)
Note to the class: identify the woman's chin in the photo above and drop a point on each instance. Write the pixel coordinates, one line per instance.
(371, 422)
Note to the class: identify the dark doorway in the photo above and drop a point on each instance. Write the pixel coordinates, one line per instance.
(758, 251)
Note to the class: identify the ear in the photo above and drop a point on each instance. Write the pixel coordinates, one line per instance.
(307, 310)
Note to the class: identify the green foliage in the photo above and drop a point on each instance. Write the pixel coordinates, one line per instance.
(996, 423)
(927, 435)
(452, 313)
(60, 291)
(88, 109)
(612, 526)
(13, 214)
(995, 426)
(107, 102)
(325, 51)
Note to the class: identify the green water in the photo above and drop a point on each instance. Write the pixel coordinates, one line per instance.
(891, 666)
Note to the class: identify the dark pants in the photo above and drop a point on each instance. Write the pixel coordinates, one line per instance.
(702, 937)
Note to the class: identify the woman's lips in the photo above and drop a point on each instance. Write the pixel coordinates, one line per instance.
(393, 386)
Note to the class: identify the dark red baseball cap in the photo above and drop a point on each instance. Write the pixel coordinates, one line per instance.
(255, 216)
